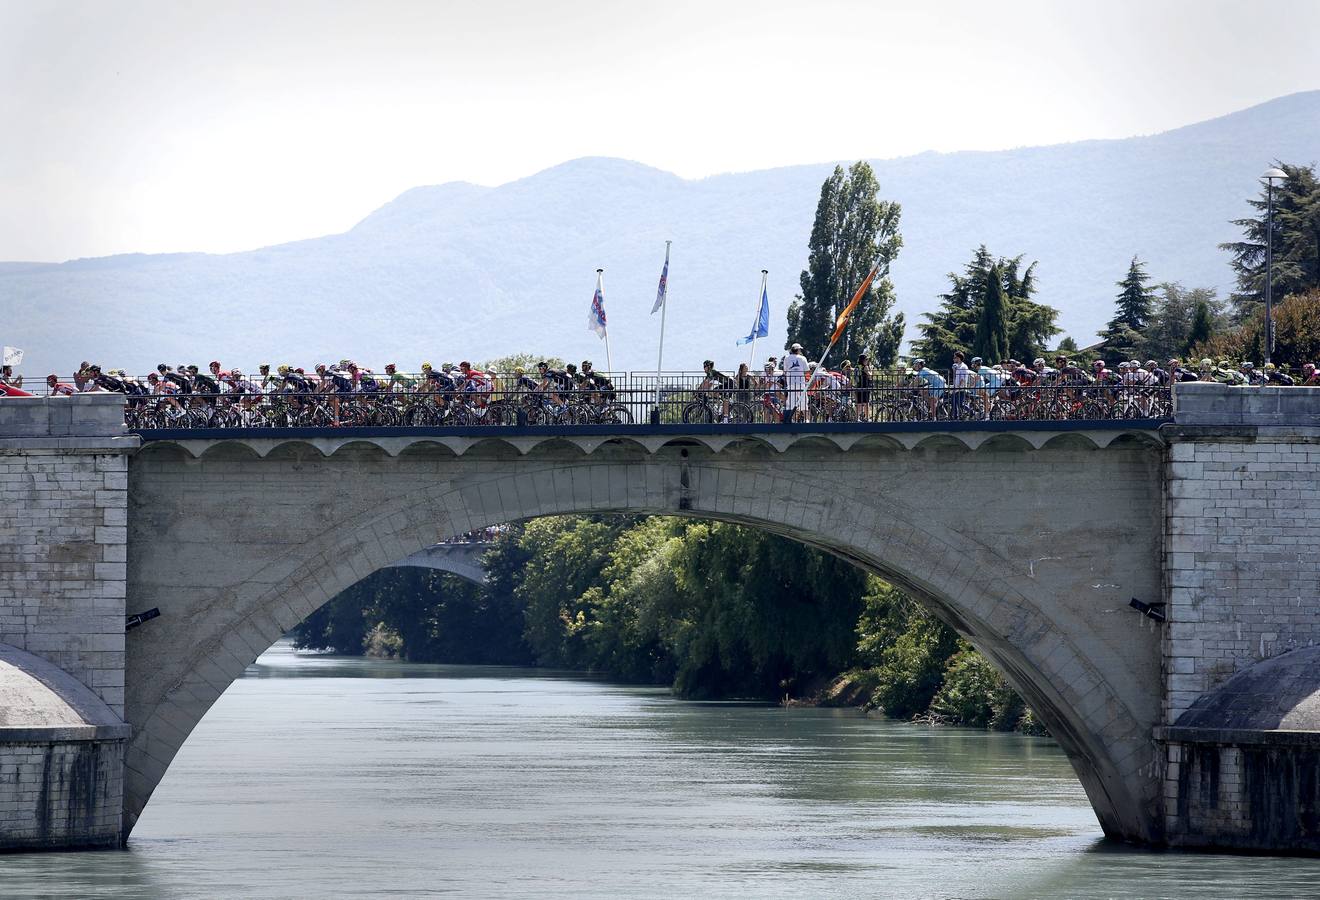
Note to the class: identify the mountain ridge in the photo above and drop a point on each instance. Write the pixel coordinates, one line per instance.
(480, 271)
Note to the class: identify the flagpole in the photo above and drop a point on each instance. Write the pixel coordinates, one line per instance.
(600, 288)
(751, 354)
(660, 358)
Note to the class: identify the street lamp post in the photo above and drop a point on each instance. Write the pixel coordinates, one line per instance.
(1270, 174)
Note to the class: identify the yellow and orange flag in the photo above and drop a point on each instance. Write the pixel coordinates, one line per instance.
(842, 322)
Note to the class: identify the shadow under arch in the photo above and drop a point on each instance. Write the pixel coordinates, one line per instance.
(1093, 688)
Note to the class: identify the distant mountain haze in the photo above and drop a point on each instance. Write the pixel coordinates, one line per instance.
(457, 271)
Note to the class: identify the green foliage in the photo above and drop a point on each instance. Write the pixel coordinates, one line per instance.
(1123, 335)
(1296, 335)
(1296, 241)
(853, 231)
(418, 614)
(525, 361)
(1067, 345)
(975, 693)
(1202, 327)
(1027, 325)
(715, 610)
(991, 341)
(1173, 318)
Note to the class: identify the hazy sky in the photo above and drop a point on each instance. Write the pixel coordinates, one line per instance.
(225, 125)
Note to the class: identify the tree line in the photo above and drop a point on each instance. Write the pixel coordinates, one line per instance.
(991, 309)
(712, 609)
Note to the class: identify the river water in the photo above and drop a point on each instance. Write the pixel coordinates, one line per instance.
(319, 776)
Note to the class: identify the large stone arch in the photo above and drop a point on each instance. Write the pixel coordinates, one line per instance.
(1029, 548)
(460, 559)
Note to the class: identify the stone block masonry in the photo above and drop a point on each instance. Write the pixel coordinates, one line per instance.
(1241, 567)
(60, 794)
(63, 535)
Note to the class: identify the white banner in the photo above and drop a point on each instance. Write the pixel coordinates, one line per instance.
(13, 356)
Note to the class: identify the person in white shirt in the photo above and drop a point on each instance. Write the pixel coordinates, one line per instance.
(795, 375)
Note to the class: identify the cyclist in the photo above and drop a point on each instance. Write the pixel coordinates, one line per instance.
(933, 386)
(773, 388)
(396, 382)
(1250, 373)
(992, 379)
(1161, 376)
(597, 382)
(1310, 377)
(1274, 376)
(57, 388)
(1178, 373)
(555, 382)
(717, 381)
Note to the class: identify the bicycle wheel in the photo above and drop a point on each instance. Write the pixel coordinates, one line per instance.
(616, 414)
(741, 413)
(697, 413)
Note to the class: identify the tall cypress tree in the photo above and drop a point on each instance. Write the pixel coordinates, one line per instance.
(853, 231)
(1202, 327)
(991, 342)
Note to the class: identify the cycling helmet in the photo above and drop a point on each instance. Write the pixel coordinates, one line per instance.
(1098, 364)
(796, 347)
(390, 367)
(1038, 361)
(1269, 367)
(214, 364)
(446, 367)
(426, 366)
(918, 361)
(519, 370)
(1248, 365)
(264, 366)
(543, 365)
(976, 361)
(1150, 364)
(283, 370)
(236, 372)
(708, 364)
(1207, 363)
(586, 364)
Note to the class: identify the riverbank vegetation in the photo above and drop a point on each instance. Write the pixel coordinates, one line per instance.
(713, 610)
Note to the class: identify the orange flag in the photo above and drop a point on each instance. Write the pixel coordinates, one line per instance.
(842, 322)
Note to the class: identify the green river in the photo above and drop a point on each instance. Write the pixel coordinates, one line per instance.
(319, 776)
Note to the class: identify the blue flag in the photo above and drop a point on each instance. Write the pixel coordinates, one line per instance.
(762, 327)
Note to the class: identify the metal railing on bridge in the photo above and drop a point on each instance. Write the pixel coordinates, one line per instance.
(507, 400)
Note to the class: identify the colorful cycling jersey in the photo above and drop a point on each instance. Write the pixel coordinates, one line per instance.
(107, 383)
(400, 382)
(184, 385)
(992, 379)
(558, 378)
(933, 379)
(599, 381)
(528, 383)
(205, 384)
(62, 389)
(296, 383)
(719, 379)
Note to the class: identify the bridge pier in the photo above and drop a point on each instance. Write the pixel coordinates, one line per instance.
(63, 520)
(1242, 698)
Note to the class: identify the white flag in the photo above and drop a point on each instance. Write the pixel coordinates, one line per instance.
(13, 356)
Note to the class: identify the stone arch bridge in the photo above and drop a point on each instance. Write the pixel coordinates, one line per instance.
(1030, 541)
